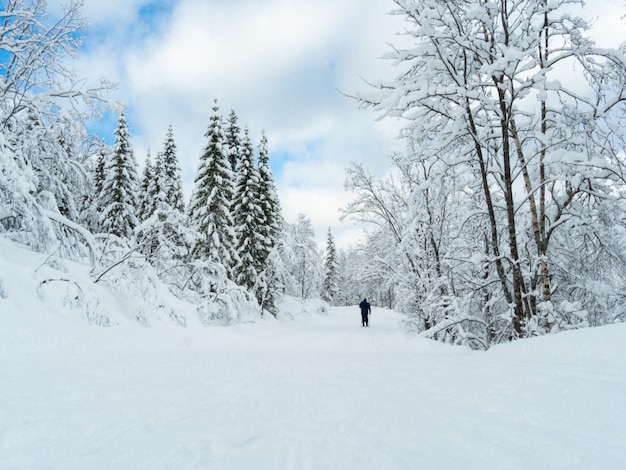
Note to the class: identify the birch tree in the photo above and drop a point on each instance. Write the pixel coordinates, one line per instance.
(487, 90)
(37, 87)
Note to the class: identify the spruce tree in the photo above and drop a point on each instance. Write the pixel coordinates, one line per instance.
(90, 213)
(248, 217)
(210, 205)
(172, 183)
(329, 286)
(100, 169)
(145, 202)
(119, 191)
(269, 231)
(162, 232)
(268, 199)
(233, 140)
(157, 189)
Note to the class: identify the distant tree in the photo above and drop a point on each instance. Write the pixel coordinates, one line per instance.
(270, 231)
(302, 260)
(163, 234)
(268, 199)
(349, 288)
(233, 140)
(172, 182)
(329, 286)
(146, 207)
(100, 168)
(90, 209)
(210, 205)
(248, 217)
(157, 189)
(119, 191)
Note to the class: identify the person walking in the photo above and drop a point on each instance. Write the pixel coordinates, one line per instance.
(365, 311)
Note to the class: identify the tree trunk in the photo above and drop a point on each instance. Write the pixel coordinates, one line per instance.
(518, 279)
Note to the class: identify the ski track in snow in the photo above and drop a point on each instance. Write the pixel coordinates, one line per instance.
(318, 392)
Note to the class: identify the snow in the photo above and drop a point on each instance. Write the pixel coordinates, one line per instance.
(305, 391)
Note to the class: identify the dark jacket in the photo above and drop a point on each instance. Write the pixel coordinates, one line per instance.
(365, 307)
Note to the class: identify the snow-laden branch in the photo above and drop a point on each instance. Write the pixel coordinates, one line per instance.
(445, 324)
(85, 234)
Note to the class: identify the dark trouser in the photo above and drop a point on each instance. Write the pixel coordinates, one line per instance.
(364, 319)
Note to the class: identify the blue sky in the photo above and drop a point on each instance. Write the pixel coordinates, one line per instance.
(280, 64)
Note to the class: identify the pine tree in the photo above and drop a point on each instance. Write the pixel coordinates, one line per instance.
(329, 286)
(248, 217)
(172, 174)
(119, 191)
(163, 231)
(233, 141)
(145, 202)
(269, 231)
(210, 205)
(157, 189)
(100, 169)
(91, 209)
(268, 199)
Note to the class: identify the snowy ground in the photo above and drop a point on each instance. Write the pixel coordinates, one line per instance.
(315, 392)
(319, 392)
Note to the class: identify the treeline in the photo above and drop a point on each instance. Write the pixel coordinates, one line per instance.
(232, 221)
(63, 192)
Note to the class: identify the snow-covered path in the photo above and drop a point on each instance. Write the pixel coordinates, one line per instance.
(319, 392)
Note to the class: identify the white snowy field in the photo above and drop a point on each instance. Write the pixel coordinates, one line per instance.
(315, 392)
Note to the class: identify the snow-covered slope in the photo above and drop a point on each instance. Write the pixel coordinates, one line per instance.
(306, 392)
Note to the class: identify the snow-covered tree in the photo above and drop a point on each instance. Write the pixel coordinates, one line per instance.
(233, 141)
(268, 282)
(302, 261)
(164, 232)
(158, 186)
(90, 209)
(172, 182)
(210, 205)
(43, 183)
(268, 199)
(35, 75)
(511, 156)
(248, 217)
(415, 224)
(362, 272)
(120, 188)
(146, 206)
(329, 286)
(102, 156)
(41, 128)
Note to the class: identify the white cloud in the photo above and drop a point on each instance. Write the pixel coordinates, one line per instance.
(279, 64)
(608, 22)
